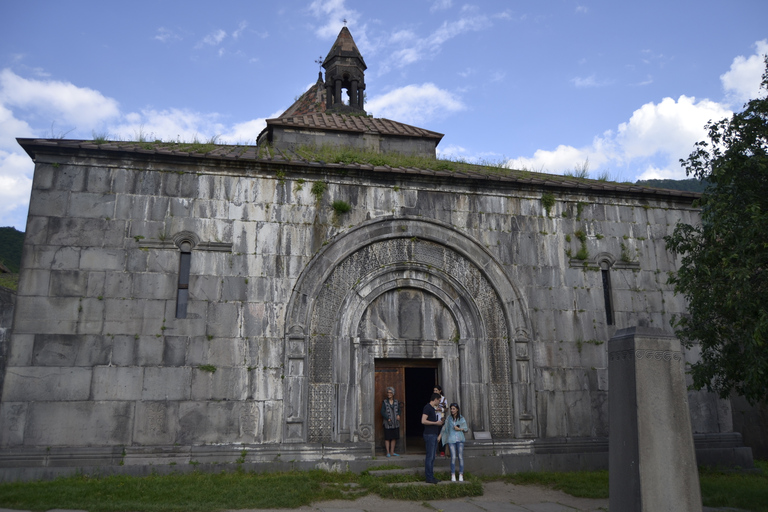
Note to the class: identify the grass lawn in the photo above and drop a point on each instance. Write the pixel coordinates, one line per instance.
(217, 491)
(238, 490)
(737, 490)
(747, 491)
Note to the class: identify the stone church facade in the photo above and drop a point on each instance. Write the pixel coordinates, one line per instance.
(183, 303)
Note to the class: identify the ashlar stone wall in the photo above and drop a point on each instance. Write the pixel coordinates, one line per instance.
(98, 357)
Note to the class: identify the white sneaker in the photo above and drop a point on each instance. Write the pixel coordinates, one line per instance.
(461, 478)
(453, 477)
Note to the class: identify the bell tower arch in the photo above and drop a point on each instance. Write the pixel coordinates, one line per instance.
(344, 70)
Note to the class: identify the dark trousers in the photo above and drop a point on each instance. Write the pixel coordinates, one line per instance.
(430, 443)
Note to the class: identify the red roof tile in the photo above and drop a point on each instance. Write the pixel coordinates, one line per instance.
(352, 123)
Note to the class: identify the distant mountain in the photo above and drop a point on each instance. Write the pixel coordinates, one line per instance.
(11, 242)
(689, 185)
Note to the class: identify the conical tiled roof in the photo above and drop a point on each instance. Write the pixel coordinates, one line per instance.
(344, 47)
(311, 102)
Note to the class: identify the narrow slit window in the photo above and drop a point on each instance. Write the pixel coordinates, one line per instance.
(605, 270)
(185, 262)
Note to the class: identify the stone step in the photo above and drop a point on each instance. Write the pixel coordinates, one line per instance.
(422, 484)
(404, 471)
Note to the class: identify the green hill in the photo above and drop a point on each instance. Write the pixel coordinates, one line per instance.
(11, 242)
(689, 185)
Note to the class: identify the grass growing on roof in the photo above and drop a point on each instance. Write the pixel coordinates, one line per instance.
(348, 155)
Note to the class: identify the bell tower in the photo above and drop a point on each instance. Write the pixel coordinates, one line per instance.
(344, 70)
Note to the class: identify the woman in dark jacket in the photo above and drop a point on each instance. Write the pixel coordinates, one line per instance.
(390, 414)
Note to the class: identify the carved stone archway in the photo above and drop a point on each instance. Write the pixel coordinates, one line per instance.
(329, 384)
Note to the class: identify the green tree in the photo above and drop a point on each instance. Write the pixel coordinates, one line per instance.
(724, 266)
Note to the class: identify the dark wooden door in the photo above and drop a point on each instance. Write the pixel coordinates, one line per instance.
(385, 377)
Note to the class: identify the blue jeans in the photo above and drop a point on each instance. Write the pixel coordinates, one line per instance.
(430, 443)
(457, 449)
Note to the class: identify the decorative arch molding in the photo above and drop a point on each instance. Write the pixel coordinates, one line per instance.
(490, 360)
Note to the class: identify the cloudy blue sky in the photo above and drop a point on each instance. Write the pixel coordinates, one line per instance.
(545, 85)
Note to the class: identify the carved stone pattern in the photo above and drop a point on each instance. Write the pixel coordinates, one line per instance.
(366, 432)
(372, 258)
(658, 355)
(501, 424)
(498, 352)
(320, 421)
(321, 361)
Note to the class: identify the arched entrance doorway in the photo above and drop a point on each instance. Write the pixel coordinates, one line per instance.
(470, 320)
(413, 380)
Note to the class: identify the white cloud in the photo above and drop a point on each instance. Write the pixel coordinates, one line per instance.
(654, 173)
(168, 124)
(335, 13)
(449, 30)
(742, 82)
(497, 76)
(582, 9)
(439, 5)
(244, 133)
(654, 139)
(670, 127)
(15, 186)
(240, 28)
(164, 35)
(212, 39)
(402, 36)
(589, 81)
(563, 158)
(421, 48)
(452, 151)
(414, 103)
(57, 101)
(647, 81)
(10, 128)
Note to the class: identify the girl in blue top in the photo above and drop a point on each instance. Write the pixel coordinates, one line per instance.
(453, 435)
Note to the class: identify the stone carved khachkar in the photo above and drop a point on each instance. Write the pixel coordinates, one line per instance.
(651, 454)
